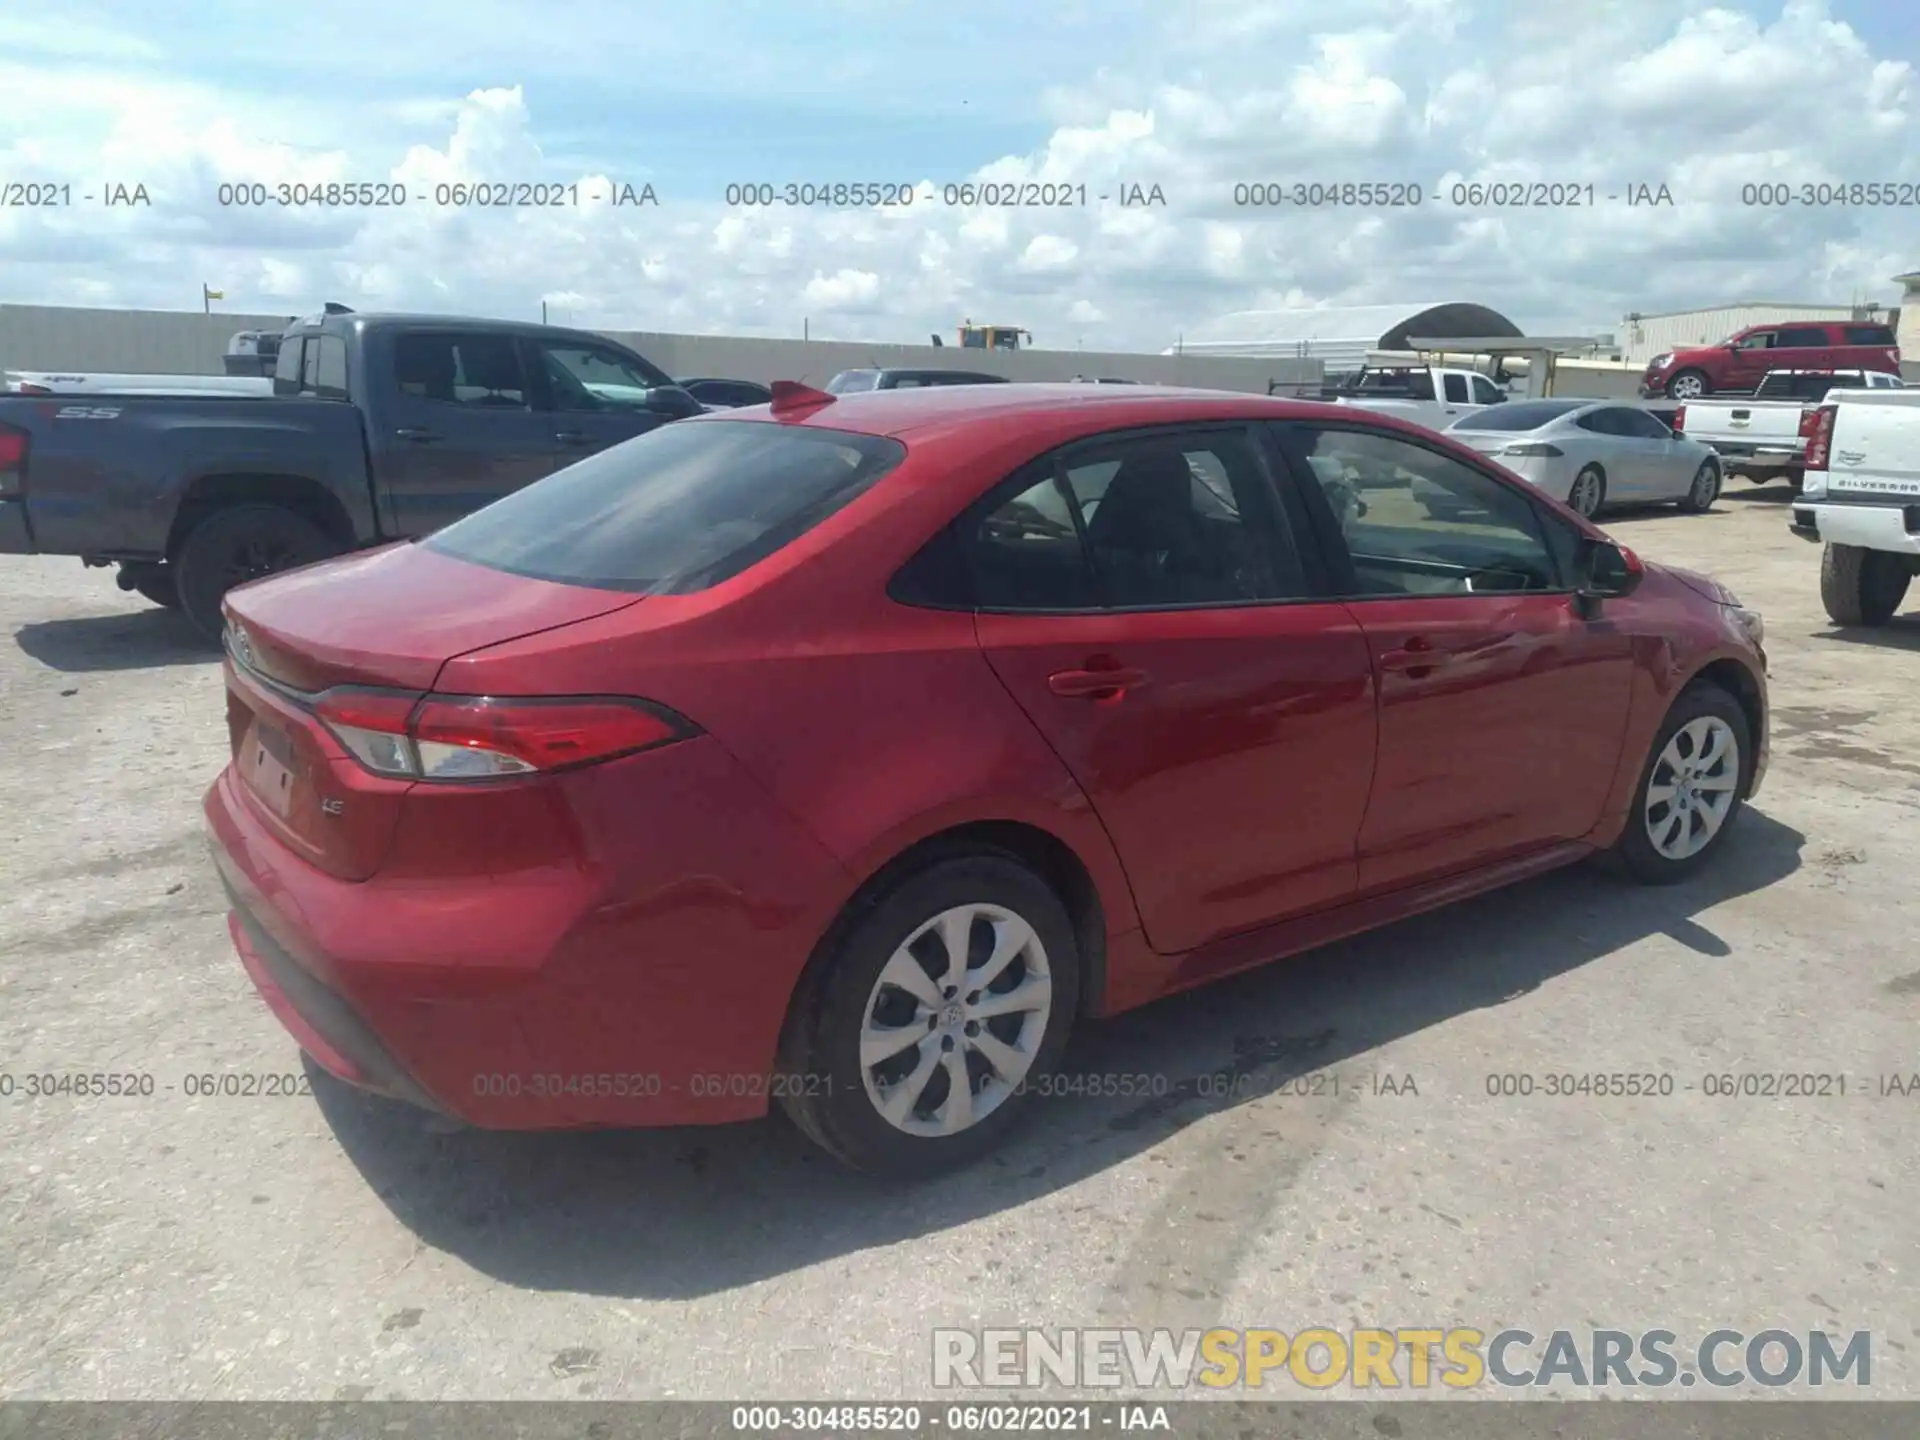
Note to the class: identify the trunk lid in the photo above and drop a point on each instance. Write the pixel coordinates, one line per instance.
(394, 616)
(385, 620)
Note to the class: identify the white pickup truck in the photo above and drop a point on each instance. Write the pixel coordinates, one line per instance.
(1428, 395)
(1763, 437)
(1861, 500)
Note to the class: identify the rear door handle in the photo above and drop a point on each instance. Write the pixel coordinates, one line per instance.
(418, 436)
(1095, 684)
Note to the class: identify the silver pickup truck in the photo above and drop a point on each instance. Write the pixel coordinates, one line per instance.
(1764, 437)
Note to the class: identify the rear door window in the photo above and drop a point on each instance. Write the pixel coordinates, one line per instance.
(1802, 337)
(460, 368)
(679, 509)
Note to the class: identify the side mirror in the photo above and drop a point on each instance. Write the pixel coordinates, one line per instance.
(1606, 571)
(672, 401)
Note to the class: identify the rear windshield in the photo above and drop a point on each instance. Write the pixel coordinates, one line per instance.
(1521, 415)
(678, 509)
(848, 381)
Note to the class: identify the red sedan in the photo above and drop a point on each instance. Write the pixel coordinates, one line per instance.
(845, 752)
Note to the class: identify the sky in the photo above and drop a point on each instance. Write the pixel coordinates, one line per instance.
(1183, 103)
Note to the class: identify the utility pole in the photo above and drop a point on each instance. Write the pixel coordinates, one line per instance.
(543, 312)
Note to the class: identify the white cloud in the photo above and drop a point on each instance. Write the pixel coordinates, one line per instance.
(1226, 92)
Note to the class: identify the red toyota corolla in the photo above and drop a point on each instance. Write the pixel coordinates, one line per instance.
(845, 752)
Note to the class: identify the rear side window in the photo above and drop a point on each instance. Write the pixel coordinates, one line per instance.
(1803, 337)
(286, 366)
(1869, 335)
(457, 368)
(676, 510)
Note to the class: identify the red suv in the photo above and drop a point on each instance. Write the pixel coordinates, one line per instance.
(844, 753)
(1739, 363)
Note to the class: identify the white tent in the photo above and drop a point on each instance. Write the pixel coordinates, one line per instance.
(1341, 335)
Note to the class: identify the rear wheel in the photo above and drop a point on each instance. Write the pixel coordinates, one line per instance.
(1589, 492)
(1690, 792)
(1704, 490)
(233, 546)
(912, 1048)
(1860, 586)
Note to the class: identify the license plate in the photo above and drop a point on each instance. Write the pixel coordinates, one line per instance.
(267, 775)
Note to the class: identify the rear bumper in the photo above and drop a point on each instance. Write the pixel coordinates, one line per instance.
(1892, 527)
(646, 984)
(16, 536)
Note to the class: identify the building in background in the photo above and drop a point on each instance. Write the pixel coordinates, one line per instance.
(1339, 336)
(1642, 337)
(1906, 325)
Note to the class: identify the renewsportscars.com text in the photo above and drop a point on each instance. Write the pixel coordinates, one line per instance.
(1460, 1358)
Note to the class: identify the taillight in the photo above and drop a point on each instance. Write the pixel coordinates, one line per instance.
(1538, 447)
(478, 737)
(13, 459)
(1680, 421)
(1819, 436)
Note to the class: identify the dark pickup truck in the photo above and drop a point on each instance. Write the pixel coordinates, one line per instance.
(378, 428)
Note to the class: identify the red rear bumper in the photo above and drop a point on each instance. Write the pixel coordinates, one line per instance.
(644, 982)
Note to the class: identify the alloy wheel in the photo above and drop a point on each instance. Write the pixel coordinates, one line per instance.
(1706, 487)
(1691, 791)
(955, 1020)
(1687, 387)
(1585, 498)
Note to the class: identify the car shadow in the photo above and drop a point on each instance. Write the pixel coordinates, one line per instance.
(122, 640)
(1900, 633)
(1776, 492)
(684, 1213)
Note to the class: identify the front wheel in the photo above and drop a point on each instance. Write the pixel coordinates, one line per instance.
(231, 547)
(1691, 790)
(914, 1048)
(1687, 385)
(1860, 586)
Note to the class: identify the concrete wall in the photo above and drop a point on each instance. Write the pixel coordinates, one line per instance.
(43, 337)
(140, 342)
(814, 362)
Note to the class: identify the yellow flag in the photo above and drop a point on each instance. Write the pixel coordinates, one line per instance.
(216, 294)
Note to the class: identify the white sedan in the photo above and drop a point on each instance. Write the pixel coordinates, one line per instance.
(1592, 453)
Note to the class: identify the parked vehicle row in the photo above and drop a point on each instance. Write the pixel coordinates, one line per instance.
(1739, 363)
(1765, 438)
(1861, 501)
(843, 753)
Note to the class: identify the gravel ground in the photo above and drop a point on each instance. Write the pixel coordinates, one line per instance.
(325, 1246)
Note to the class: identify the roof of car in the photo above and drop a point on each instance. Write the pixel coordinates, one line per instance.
(903, 413)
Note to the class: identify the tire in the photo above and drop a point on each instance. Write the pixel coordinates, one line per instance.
(835, 1099)
(160, 589)
(244, 543)
(1588, 492)
(1689, 385)
(1651, 849)
(1704, 490)
(1860, 586)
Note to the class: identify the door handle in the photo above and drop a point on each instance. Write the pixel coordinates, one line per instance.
(571, 437)
(418, 436)
(1095, 684)
(1416, 658)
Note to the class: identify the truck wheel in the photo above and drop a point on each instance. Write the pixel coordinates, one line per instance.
(233, 546)
(1860, 586)
(1688, 385)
